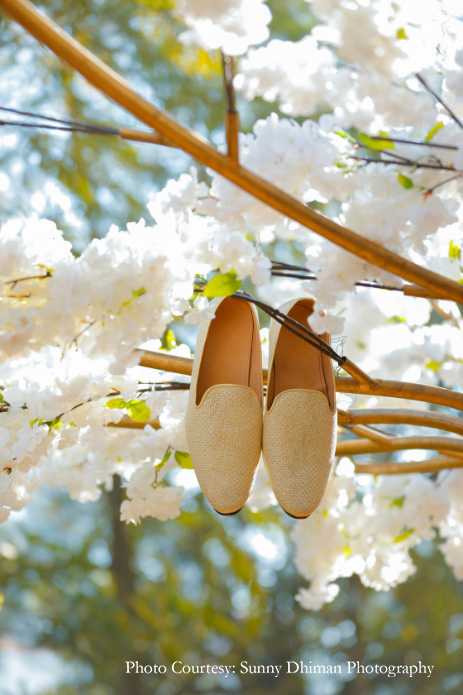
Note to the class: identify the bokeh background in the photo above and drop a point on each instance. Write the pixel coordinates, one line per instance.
(82, 593)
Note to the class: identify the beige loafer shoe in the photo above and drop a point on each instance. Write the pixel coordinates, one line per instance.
(300, 418)
(224, 414)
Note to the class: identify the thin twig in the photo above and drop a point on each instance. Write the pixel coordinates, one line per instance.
(228, 66)
(363, 283)
(89, 325)
(438, 99)
(13, 283)
(414, 142)
(414, 165)
(442, 183)
(278, 274)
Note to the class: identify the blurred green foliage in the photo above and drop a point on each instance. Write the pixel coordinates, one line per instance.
(199, 589)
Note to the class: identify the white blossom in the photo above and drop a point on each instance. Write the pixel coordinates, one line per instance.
(231, 25)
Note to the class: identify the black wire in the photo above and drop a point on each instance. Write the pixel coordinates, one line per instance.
(66, 129)
(91, 127)
(295, 327)
(281, 267)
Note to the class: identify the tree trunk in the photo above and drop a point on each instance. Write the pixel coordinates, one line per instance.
(124, 577)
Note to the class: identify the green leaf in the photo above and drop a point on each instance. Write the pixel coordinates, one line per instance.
(222, 285)
(454, 251)
(404, 535)
(1, 397)
(51, 424)
(183, 459)
(398, 502)
(384, 143)
(115, 403)
(433, 365)
(433, 131)
(405, 181)
(169, 341)
(343, 134)
(165, 458)
(2, 600)
(138, 410)
(401, 34)
(135, 294)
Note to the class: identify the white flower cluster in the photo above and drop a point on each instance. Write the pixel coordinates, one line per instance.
(53, 298)
(68, 330)
(357, 62)
(312, 161)
(368, 528)
(231, 25)
(296, 158)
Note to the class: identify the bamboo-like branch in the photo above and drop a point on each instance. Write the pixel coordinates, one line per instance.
(372, 467)
(381, 387)
(165, 362)
(351, 447)
(232, 119)
(397, 417)
(456, 454)
(415, 291)
(371, 433)
(111, 84)
(127, 423)
(232, 129)
(358, 374)
(402, 389)
(392, 416)
(392, 468)
(142, 136)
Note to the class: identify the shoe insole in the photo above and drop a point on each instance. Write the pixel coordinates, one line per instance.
(231, 353)
(297, 364)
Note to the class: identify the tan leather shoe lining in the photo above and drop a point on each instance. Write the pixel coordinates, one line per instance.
(231, 352)
(299, 365)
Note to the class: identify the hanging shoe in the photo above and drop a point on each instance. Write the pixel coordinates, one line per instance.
(300, 418)
(224, 414)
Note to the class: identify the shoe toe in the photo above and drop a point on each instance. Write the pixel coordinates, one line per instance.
(299, 441)
(224, 437)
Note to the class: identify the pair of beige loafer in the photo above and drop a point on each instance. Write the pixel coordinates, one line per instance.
(227, 425)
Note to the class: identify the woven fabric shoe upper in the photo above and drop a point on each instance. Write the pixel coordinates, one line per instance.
(299, 442)
(224, 420)
(299, 433)
(225, 439)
